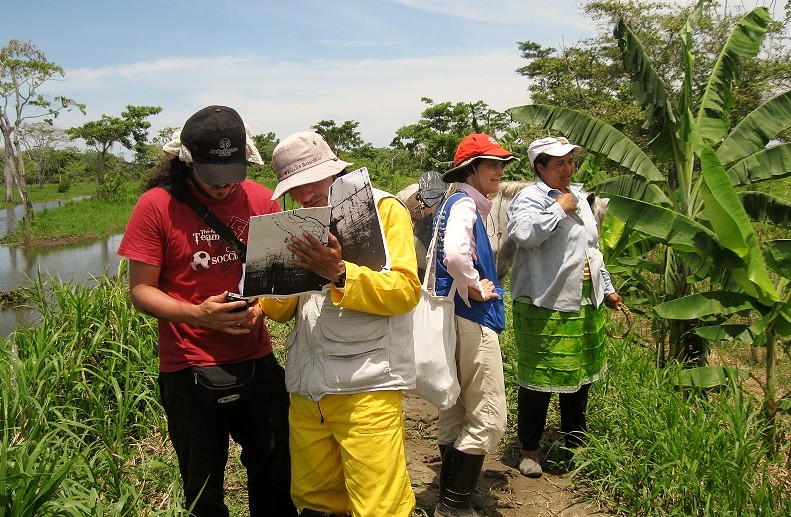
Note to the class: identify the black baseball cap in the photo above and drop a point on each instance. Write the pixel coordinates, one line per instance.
(216, 139)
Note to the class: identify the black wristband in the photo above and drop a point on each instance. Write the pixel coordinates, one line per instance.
(341, 280)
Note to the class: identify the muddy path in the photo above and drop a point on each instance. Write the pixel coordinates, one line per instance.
(502, 490)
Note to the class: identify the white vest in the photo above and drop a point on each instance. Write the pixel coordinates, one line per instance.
(337, 350)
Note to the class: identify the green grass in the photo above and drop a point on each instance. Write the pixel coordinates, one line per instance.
(654, 450)
(81, 427)
(82, 431)
(83, 220)
(49, 192)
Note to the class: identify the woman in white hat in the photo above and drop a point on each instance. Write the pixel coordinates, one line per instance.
(558, 285)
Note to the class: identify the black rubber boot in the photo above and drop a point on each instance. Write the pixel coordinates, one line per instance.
(442, 450)
(457, 481)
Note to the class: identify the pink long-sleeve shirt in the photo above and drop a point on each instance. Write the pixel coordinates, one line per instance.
(460, 249)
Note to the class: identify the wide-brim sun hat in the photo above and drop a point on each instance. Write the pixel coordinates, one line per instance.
(551, 145)
(472, 147)
(303, 158)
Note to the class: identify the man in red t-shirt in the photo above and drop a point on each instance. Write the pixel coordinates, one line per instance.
(180, 271)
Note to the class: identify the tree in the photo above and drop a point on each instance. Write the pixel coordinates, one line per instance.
(40, 139)
(23, 69)
(130, 130)
(266, 143)
(590, 74)
(152, 152)
(432, 141)
(343, 138)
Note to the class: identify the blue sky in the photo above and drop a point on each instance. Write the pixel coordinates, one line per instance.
(285, 65)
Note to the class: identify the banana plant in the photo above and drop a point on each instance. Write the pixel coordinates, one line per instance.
(750, 289)
(668, 241)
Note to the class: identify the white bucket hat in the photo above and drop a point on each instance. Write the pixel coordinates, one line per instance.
(303, 158)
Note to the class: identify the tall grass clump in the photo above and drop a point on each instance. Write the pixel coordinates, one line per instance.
(82, 425)
(656, 450)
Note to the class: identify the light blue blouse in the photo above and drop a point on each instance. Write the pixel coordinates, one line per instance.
(552, 247)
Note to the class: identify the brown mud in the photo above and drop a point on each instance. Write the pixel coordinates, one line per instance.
(502, 490)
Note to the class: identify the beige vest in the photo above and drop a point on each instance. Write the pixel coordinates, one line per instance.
(337, 350)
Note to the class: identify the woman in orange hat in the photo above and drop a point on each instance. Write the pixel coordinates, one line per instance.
(474, 425)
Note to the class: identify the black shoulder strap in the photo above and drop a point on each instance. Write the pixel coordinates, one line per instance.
(182, 192)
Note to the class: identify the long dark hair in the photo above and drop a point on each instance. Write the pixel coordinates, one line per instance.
(168, 171)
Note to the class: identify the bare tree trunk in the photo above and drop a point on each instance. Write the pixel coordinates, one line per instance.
(8, 164)
(19, 179)
(101, 166)
(8, 167)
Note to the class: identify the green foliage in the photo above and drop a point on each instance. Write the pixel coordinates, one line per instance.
(79, 408)
(432, 141)
(64, 185)
(266, 144)
(130, 130)
(343, 138)
(113, 190)
(590, 72)
(655, 450)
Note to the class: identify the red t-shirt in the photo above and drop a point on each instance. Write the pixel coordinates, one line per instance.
(195, 264)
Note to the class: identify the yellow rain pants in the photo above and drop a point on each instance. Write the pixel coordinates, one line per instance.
(347, 455)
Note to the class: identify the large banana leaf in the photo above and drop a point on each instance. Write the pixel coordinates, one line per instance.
(713, 119)
(634, 187)
(671, 227)
(770, 163)
(766, 208)
(731, 332)
(777, 317)
(591, 133)
(733, 228)
(779, 257)
(688, 137)
(649, 90)
(707, 377)
(757, 129)
(699, 305)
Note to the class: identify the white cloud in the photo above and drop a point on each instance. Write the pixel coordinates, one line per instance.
(284, 97)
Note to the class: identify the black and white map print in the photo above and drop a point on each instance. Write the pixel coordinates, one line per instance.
(355, 221)
(268, 272)
(352, 217)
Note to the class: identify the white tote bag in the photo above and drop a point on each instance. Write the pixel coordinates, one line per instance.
(435, 340)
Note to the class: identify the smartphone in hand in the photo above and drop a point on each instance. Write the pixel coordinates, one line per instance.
(234, 297)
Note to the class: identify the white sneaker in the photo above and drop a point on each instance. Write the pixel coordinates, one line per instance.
(530, 468)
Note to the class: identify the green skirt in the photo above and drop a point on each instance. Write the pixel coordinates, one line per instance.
(559, 351)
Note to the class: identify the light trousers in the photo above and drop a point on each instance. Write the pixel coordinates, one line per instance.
(477, 422)
(347, 455)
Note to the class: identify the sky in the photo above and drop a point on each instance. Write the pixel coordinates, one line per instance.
(286, 65)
